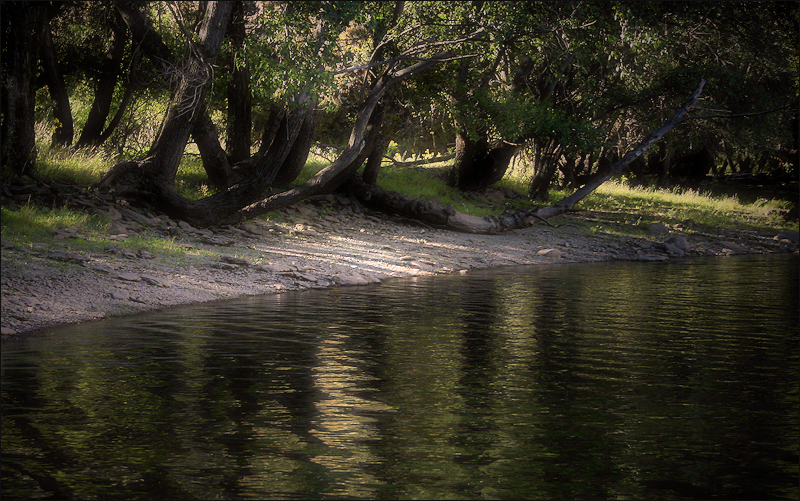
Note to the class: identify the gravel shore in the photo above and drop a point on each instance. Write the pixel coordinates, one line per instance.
(317, 246)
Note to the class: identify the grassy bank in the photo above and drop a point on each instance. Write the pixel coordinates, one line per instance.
(614, 208)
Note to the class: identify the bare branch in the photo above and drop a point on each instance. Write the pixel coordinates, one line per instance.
(736, 115)
(410, 53)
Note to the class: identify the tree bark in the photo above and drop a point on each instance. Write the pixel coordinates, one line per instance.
(156, 174)
(374, 159)
(240, 120)
(479, 164)
(51, 71)
(298, 155)
(106, 82)
(545, 162)
(215, 161)
(21, 22)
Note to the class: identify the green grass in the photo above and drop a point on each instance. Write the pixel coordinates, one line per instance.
(612, 203)
(314, 164)
(191, 182)
(83, 167)
(684, 206)
(31, 223)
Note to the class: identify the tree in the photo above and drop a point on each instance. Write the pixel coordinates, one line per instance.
(152, 177)
(571, 84)
(446, 217)
(21, 22)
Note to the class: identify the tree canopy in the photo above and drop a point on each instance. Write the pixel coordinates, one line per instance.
(568, 86)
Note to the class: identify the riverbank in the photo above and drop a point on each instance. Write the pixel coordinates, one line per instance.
(327, 243)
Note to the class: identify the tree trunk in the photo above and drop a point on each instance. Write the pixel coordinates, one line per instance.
(21, 22)
(156, 172)
(106, 82)
(329, 178)
(545, 162)
(51, 71)
(298, 155)
(240, 120)
(215, 161)
(373, 166)
(479, 164)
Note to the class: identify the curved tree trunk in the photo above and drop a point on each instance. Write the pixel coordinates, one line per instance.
(156, 172)
(545, 162)
(374, 159)
(298, 155)
(215, 161)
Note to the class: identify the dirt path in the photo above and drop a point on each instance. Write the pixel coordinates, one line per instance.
(42, 287)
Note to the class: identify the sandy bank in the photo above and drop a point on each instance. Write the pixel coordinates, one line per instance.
(44, 287)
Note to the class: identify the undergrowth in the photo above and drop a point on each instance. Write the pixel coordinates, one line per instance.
(615, 200)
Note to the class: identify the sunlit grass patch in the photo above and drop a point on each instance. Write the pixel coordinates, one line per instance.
(191, 181)
(83, 167)
(682, 205)
(314, 164)
(32, 223)
(420, 183)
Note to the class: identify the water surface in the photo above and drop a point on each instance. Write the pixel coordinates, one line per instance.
(579, 381)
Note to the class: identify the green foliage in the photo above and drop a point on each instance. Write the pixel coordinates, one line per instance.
(583, 74)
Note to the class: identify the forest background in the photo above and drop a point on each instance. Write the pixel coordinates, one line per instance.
(558, 90)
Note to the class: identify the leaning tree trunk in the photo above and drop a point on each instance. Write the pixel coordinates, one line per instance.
(374, 160)
(298, 155)
(568, 202)
(240, 120)
(545, 162)
(106, 83)
(215, 161)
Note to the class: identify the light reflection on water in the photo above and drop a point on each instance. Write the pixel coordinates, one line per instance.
(619, 380)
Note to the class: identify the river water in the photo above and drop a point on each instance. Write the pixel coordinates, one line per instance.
(577, 381)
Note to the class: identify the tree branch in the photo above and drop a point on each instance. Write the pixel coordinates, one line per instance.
(737, 115)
